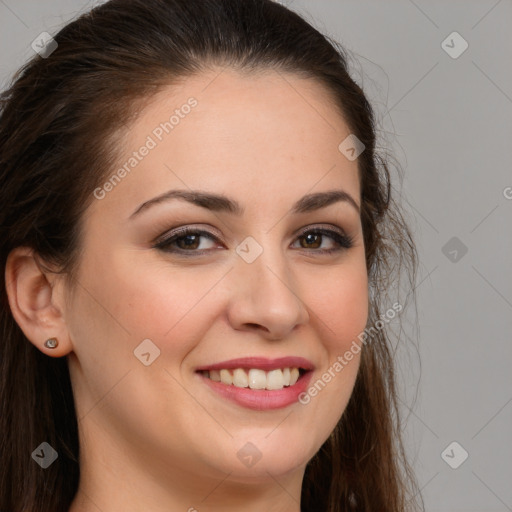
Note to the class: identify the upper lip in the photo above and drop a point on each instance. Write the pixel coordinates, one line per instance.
(262, 363)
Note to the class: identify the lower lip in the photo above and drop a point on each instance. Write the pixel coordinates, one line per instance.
(261, 399)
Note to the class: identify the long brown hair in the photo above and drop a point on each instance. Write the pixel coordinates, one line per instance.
(62, 119)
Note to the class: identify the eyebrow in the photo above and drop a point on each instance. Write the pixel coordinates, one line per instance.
(221, 203)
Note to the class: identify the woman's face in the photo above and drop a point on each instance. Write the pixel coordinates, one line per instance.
(246, 284)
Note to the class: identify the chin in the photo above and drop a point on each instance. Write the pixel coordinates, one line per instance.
(261, 460)
(262, 471)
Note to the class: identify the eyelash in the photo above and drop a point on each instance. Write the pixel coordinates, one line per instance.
(344, 241)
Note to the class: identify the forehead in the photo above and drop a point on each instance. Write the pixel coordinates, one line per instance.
(260, 133)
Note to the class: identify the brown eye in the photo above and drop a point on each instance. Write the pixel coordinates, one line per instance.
(313, 239)
(186, 241)
(310, 239)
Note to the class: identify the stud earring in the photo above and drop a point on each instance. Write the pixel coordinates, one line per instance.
(51, 343)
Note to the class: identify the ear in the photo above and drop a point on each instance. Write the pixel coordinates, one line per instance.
(36, 300)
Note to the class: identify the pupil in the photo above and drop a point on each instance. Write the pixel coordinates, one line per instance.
(310, 236)
(187, 240)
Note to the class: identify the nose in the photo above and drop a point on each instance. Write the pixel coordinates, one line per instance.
(265, 298)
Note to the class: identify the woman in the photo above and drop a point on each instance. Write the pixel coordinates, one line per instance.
(198, 240)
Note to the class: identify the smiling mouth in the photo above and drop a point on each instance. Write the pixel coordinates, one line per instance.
(255, 378)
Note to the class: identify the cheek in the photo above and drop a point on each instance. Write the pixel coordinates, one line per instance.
(148, 296)
(340, 307)
(173, 306)
(339, 313)
(340, 310)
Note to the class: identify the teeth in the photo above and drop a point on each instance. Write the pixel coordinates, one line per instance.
(286, 376)
(225, 377)
(215, 375)
(255, 378)
(275, 379)
(240, 379)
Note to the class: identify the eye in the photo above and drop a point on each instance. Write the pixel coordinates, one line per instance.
(313, 237)
(188, 240)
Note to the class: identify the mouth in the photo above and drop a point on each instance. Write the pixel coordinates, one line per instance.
(256, 378)
(259, 384)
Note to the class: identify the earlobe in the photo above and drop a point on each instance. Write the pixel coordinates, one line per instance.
(36, 303)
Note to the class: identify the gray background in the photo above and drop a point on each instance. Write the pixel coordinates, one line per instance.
(449, 123)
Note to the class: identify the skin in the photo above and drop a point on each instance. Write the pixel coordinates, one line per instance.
(156, 437)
